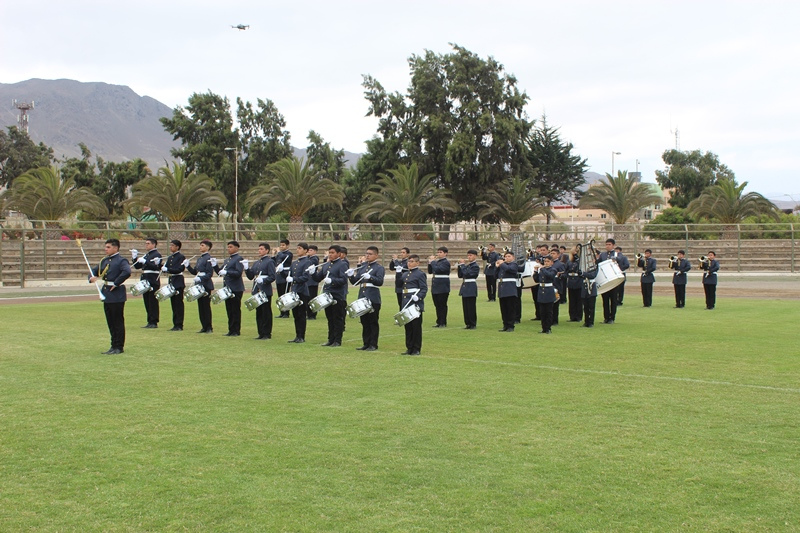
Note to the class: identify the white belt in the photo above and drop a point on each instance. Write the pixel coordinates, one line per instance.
(441, 276)
(411, 291)
(369, 285)
(509, 279)
(151, 272)
(471, 280)
(108, 283)
(546, 285)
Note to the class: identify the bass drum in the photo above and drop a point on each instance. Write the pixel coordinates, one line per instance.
(609, 276)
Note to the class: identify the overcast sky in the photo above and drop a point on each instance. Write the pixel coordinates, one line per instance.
(614, 76)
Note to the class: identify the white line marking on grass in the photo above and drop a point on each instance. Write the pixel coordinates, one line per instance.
(51, 296)
(624, 375)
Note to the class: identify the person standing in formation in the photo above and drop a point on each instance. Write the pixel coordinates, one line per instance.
(174, 267)
(439, 267)
(203, 270)
(298, 278)
(609, 297)
(588, 296)
(624, 265)
(399, 264)
(648, 265)
(415, 287)
(231, 272)
(332, 275)
(150, 265)
(548, 294)
(491, 257)
(560, 283)
(369, 276)
(113, 271)
(283, 260)
(710, 269)
(681, 266)
(574, 286)
(313, 285)
(469, 271)
(263, 274)
(507, 277)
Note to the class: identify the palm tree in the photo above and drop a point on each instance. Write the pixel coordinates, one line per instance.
(43, 194)
(620, 196)
(176, 195)
(293, 187)
(514, 203)
(724, 202)
(405, 198)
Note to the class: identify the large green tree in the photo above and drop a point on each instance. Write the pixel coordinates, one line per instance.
(462, 121)
(688, 174)
(727, 204)
(560, 172)
(514, 202)
(619, 196)
(404, 197)
(330, 163)
(19, 154)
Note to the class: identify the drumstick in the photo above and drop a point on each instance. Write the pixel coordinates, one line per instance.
(91, 273)
(362, 277)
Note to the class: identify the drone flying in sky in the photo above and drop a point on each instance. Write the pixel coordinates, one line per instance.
(241, 26)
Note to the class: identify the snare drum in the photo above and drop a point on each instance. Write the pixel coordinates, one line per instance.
(320, 302)
(407, 315)
(141, 287)
(360, 307)
(527, 274)
(194, 292)
(259, 298)
(221, 295)
(166, 292)
(608, 276)
(288, 301)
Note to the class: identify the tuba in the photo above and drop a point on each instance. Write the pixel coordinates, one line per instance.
(587, 260)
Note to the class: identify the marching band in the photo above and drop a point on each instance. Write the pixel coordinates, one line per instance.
(554, 277)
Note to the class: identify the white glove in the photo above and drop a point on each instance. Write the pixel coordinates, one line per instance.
(279, 268)
(198, 280)
(157, 260)
(164, 268)
(366, 275)
(398, 269)
(260, 279)
(223, 272)
(328, 281)
(289, 279)
(246, 263)
(349, 272)
(185, 263)
(134, 253)
(141, 260)
(213, 261)
(311, 269)
(414, 298)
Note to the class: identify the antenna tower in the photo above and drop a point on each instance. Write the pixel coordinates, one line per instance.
(677, 138)
(23, 107)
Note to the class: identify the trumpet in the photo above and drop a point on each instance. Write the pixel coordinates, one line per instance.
(639, 257)
(703, 259)
(672, 260)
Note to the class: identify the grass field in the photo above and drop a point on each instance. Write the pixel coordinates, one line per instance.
(670, 419)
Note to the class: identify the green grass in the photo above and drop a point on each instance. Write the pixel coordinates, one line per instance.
(670, 419)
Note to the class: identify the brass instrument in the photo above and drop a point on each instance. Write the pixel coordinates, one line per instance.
(672, 260)
(704, 259)
(587, 261)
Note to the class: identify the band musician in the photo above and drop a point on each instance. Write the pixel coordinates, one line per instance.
(681, 266)
(150, 265)
(710, 267)
(369, 275)
(113, 270)
(469, 271)
(648, 265)
(263, 274)
(174, 267)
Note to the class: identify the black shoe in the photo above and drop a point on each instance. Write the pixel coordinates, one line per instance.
(206, 331)
(469, 327)
(362, 347)
(619, 304)
(335, 344)
(113, 351)
(176, 329)
(407, 352)
(299, 340)
(370, 348)
(414, 353)
(509, 329)
(536, 318)
(329, 343)
(262, 337)
(502, 330)
(548, 332)
(587, 326)
(311, 318)
(231, 334)
(608, 322)
(150, 326)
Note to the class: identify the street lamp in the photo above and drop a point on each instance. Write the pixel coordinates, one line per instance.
(235, 151)
(613, 153)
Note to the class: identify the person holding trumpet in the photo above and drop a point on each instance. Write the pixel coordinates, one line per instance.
(648, 265)
(681, 266)
(399, 264)
(507, 270)
(710, 267)
(369, 275)
(469, 272)
(439, 267)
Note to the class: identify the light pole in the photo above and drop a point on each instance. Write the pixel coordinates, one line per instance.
(613, 153)
(235, 151)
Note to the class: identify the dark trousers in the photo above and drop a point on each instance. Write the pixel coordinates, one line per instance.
(313, 291)
(535, 294)
(620, 290)
(588, 310)
(491, 287)
(414, 335)
(335, 314)
(468, 306)
(204, 309)
(556, 305)
(440, 303)
(647, 294)
(680, 295)
(370, 326)
(300, 315)
(177, 308)
(711, 295)
(518, 306)
(264, 319)
(546, 312)
(151, 306)
(233, 307)
(575, 305)
(115, 318)
(508, 309)
(400, 300)
(610, 305)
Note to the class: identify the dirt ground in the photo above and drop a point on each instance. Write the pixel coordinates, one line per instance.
(766, 285)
